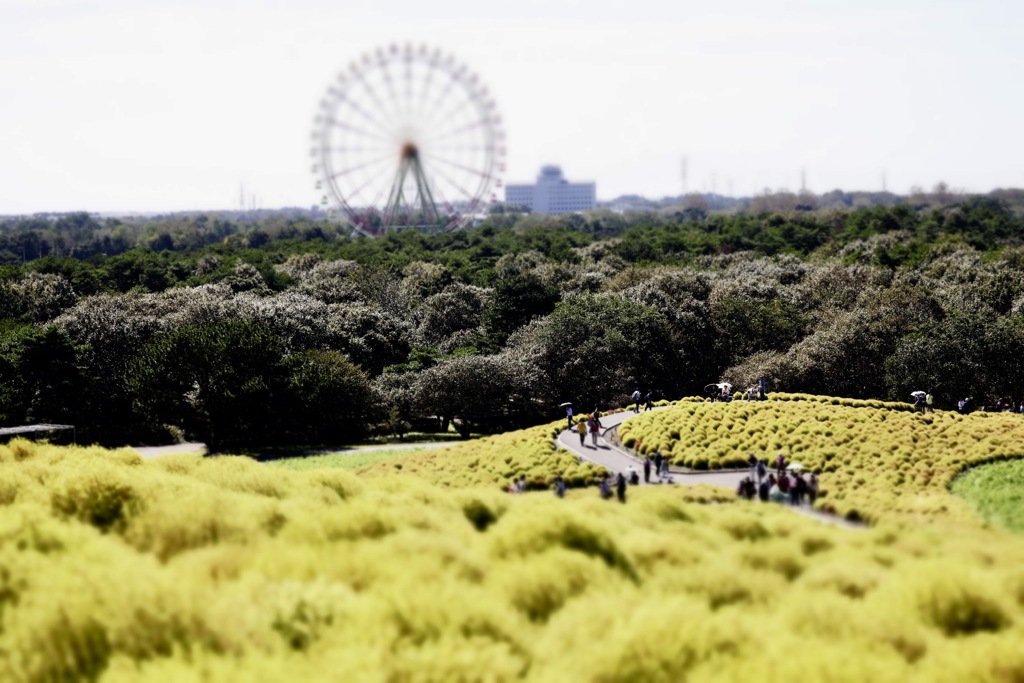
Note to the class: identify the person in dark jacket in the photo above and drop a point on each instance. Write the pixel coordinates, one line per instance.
(620, 487)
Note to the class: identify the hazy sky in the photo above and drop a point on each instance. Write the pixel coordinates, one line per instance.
(148, 105)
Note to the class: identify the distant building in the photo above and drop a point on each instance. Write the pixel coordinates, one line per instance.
(553, 194)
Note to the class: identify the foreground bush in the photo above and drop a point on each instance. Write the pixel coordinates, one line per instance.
(188, 569)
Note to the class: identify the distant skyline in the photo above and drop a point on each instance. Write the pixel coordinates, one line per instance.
(121, 106)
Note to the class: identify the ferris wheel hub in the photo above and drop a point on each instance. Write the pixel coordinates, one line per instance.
(409, 152)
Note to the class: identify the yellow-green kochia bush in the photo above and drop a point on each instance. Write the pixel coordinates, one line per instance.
(222, 569)
(496, 461)
(876, 460)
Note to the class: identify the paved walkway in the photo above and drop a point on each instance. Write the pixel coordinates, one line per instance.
(616, 459)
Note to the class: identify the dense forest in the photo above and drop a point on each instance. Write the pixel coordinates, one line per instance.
(281, 329)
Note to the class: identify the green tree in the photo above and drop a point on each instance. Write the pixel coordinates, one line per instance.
(952, 358)
(598, 349)
(223, 383)
(49, 375)
(330, 398)
(517, 299)
(481, 393)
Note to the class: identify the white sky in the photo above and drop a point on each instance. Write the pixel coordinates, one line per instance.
(150, 105)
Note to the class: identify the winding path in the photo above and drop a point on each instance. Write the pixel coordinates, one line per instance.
(616, 459)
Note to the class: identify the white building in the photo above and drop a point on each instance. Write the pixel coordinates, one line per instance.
(553, 194)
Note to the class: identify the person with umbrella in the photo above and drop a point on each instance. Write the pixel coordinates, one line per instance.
(568, 412)
(919, 397)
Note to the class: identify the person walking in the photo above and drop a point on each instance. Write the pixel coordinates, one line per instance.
(568, 416)
(929, 401)
(595, 428)
(581, 427)
(636, 401)
(620, 487)
(657, 462)
(647, 469)
(649, 401)
(762, 395)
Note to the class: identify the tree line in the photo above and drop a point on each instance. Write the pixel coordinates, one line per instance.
(316, 338)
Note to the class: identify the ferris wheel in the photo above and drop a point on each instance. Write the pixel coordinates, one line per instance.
(408, 138)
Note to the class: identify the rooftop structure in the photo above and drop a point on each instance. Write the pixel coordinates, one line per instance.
(553, 194)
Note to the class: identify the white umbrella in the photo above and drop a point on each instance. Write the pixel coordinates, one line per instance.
(915, 394)
(565, 405)
(723, 385)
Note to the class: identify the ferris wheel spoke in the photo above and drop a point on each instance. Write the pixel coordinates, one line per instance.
(389, 82)
(428, 83)
(464, 148)
(454, 183)
(354, 129)
(452, 132)
(450, 114)
(389, 115)
(407, 79)
(358, 191)
(342, 149)
(369, 117)
(429, 115)
(359, 167)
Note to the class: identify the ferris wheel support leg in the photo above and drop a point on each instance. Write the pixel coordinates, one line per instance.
(395, 196)
(427, 204)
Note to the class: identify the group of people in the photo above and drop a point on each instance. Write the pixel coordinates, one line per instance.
(648, 399)
(1002, 405)
(785, 484)
(519, 485)
(660, 466)
(604, 486)
(592, 425)
(723, 392)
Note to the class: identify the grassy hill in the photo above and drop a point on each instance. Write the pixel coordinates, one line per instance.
(114, 568)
